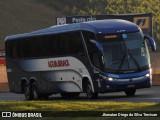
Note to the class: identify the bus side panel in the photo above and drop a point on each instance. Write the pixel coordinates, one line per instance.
(65, 80)
(50, 79)
(13, 75)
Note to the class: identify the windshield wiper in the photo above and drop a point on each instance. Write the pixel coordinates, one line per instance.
(124, 57)
(134, 60)
(122, 61)
(128, 54)
(131, 56)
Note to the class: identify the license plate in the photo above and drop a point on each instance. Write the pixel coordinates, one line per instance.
(131, 86)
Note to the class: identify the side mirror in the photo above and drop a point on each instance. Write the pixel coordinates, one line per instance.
(151, 42)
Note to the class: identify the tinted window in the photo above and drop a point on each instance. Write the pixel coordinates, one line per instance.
(45, 46)
(92, 48)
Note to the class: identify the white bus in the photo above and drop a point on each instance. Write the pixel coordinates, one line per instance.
(92, 57)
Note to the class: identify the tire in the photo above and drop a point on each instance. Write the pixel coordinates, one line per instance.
(130, 92)
(27, 91)
(89, 92)
(69, 95)
(35, 92)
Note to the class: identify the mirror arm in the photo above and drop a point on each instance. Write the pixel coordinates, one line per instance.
(151, 42)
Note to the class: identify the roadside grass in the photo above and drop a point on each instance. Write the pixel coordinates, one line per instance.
(72, 105)
(77, 105)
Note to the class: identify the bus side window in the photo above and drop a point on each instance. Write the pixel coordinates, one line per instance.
(76, 43)
(92, 49)
(9, 49)
(15, 49)
(63, 44)
(70, 43)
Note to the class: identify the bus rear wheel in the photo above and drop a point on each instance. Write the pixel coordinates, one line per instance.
(130, 92)
(69, 95)
(27, 91)
(89, 92)
(35, 92)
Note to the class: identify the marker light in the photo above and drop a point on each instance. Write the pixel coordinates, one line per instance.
(110, 36)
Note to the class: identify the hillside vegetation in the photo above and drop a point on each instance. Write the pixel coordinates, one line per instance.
(97, 7)
(18, 16)
(122, 7)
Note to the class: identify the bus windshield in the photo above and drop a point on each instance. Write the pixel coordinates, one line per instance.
(124, 52)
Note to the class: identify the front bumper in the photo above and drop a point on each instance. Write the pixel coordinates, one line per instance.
(114, 86)
(108, 82)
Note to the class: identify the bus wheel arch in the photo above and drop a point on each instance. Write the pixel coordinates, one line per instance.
(32, 80)
(88, 88)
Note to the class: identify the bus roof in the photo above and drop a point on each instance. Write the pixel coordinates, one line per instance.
(110, 26)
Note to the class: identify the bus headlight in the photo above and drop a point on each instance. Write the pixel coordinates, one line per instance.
(107, 78)
(110, 79)
(147, 75)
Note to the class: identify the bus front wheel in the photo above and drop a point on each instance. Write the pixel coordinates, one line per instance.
(89, 92)
(130, 92)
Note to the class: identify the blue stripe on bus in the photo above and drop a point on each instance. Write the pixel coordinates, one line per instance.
(128, 75)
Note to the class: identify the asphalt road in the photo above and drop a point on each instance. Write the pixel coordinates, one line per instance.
(142, 95)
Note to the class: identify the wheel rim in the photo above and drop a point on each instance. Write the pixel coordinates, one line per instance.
(27, 91)
(35, 96)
